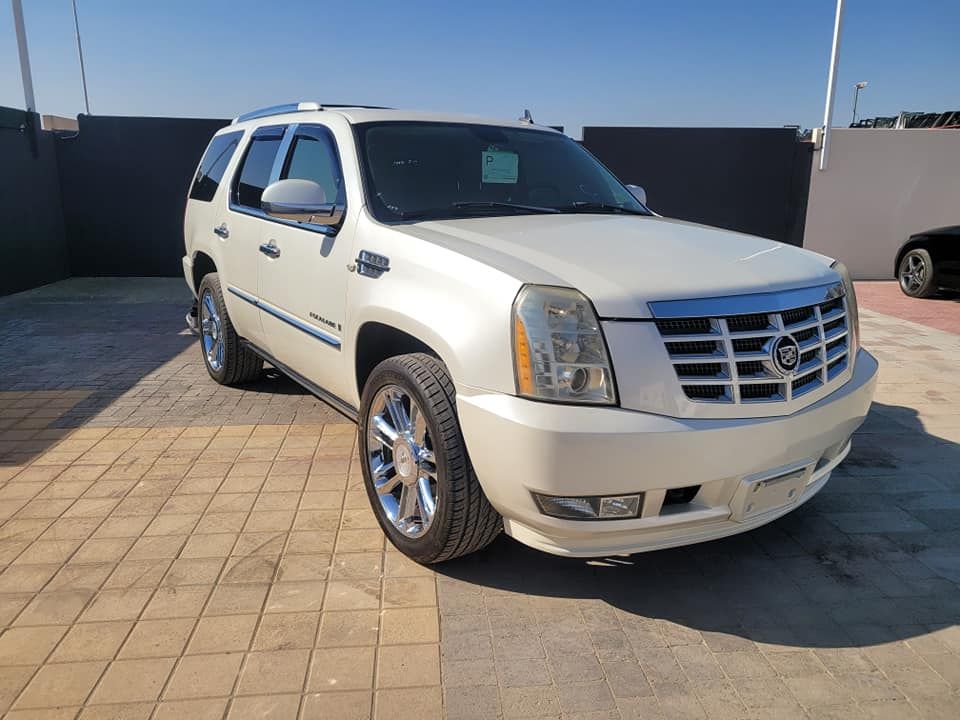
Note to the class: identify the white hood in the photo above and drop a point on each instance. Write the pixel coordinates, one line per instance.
(622, 262)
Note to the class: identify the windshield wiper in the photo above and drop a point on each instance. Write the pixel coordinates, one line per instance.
(498, 204)
(589, 206)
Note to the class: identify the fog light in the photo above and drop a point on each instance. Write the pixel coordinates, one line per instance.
(611, 507)
(620, 506)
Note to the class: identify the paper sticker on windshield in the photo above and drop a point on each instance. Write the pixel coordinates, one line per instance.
(499, 166)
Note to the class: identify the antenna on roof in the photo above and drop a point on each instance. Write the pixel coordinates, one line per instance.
(527, 117)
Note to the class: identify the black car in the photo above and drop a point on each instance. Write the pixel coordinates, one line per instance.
(929, 261)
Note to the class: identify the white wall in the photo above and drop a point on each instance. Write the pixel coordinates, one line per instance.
(881, 186)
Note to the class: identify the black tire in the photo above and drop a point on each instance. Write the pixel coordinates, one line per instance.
(240, 364)
(927, 287)
(464, 520)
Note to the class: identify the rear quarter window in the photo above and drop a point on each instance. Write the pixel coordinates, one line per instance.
(213, 165)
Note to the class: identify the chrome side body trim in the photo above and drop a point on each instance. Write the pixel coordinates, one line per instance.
(341, 406)
(746, 304)
(310, 330)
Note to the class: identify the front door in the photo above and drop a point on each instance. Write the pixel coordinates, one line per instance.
(303, 280)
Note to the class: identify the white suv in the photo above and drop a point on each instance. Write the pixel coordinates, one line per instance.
(523, 344)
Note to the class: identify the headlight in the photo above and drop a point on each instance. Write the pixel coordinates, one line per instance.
(558, 347)
(853, 314)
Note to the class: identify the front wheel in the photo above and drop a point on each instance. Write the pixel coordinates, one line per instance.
(917, 274)
(416, 470)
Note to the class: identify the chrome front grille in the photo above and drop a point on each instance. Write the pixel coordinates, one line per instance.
(729, 359)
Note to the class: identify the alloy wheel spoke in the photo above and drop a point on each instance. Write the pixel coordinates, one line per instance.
(425, 500)
(381, 482)
(383, 432)
(418, 424)
(407, 509)
(398, 415)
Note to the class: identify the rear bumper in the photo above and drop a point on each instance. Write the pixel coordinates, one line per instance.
(519, 447)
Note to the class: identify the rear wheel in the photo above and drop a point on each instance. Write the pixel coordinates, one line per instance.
(917, 274)
(227, 360)
(418, 477)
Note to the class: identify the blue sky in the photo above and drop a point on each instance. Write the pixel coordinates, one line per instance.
(673, 62)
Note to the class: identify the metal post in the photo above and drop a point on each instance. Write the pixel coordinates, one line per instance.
(831, 86)
(83, 73)
(856, 95)
(24, 56)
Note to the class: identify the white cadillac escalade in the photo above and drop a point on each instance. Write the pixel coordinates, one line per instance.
(522, 343)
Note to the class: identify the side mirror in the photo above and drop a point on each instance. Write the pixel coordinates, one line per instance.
(639, 193)
(301, 201)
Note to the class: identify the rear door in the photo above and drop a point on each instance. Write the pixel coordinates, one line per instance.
(303, 284)
(241, 228)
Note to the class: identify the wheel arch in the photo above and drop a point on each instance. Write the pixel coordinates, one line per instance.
(203, 265)
(376, 341)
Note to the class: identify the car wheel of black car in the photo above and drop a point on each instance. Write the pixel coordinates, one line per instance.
(917, 274)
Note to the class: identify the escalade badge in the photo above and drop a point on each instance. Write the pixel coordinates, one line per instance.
(786, 354)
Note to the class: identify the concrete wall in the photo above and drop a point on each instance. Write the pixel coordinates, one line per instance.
(881, 186)
(31, 220)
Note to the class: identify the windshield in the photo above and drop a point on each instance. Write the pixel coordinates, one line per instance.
(430, 171)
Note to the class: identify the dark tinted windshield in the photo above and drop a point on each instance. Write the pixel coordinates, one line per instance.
(422, 171)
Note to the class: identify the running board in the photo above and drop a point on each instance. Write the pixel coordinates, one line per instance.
(341, 406)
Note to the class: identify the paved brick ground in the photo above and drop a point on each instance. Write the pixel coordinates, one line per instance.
(941, 312)
(169, 548)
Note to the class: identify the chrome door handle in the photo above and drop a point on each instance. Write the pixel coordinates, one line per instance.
(222, 230)
(270, 249)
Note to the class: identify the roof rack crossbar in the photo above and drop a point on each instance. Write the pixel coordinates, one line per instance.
(295, 107)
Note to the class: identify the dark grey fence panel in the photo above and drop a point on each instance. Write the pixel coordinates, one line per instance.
(32, 238)
(753, 180)
(125, 182)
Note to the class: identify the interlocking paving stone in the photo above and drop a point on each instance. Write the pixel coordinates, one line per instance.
(173, 549)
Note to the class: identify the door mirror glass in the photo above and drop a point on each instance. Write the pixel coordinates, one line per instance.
(639, 193)
(301, 201)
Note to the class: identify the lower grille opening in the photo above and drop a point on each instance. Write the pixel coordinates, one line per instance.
(805, 380)
(710, 370)
(759, 391)
(681, 496)
(705, 392)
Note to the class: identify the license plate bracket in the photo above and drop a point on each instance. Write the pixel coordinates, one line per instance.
(761, 495)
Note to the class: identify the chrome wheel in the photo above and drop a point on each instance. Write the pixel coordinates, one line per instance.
(913, 273)
(401, 460)
(211, 332)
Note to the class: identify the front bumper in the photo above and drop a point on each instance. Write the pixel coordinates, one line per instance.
(519, 447)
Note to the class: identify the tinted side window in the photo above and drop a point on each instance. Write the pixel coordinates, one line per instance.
(313, 156)
(254, 173)
(213, 165)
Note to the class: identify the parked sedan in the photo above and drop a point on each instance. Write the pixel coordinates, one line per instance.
(929, 261)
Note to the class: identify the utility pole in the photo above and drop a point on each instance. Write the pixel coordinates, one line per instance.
(83, 73)
(831, 86)
(24, 56)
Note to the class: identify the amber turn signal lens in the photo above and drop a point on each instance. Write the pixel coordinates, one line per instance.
(522, 355)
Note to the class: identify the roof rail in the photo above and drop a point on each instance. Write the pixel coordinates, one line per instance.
(295, 107)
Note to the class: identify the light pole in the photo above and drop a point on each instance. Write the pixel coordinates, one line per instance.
(856, 96)
(831, 85)
(24, 56)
